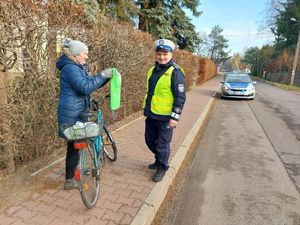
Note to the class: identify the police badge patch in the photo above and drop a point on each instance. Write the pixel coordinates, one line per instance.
(181, 88)
(177, 110)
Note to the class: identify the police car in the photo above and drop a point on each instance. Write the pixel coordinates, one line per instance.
(238, 85)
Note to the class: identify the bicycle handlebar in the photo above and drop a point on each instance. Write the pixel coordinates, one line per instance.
(94, 104)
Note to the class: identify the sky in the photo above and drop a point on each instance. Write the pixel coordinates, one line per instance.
(239, 19)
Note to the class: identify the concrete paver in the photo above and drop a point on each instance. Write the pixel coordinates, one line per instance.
(126, 185)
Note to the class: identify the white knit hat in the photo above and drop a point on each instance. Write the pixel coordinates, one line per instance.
(74, 46)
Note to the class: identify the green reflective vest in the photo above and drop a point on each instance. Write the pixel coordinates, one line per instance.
(162, 99)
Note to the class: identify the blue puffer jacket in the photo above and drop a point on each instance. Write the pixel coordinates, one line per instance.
(76, 85)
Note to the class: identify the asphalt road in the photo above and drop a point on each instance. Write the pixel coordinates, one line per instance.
(246, 169)
(278, 112)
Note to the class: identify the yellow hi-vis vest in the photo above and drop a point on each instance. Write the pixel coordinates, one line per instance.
(162, 99)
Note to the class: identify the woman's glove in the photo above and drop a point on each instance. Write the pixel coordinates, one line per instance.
(107, 73)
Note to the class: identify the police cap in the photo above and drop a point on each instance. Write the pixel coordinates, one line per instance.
(164, 44)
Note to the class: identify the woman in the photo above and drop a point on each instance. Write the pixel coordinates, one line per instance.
(163, 104)
(76, 85)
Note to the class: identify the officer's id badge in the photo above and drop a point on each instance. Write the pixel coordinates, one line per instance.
(181, 88)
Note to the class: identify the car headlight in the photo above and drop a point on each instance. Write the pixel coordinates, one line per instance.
(250, 87)
(226, 88)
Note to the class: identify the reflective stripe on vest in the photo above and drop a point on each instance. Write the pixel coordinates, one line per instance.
(162, 99)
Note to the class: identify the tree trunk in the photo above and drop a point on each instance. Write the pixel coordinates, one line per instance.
(121, 10)
(143, 21)
(102, 5)
(159, 3)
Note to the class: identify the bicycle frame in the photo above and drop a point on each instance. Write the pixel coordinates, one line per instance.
(92, 152)
(97, 143)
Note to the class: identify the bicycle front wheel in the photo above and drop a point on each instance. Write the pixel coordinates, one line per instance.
(89, 184)
(109, 145)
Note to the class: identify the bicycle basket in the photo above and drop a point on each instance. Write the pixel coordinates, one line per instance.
(81, 131)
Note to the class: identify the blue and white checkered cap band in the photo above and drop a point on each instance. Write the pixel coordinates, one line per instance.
(164, 44)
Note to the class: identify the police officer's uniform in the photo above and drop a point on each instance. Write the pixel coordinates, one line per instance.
(164, 100)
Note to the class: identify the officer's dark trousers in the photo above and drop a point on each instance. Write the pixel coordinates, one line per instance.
(71, 160)
(158, 137)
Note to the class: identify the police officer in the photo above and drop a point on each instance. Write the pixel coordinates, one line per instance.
(163, 104)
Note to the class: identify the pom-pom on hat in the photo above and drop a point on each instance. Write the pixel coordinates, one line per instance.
(75, 47)
(164, 44)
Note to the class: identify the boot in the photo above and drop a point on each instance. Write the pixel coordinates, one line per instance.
(159, 174)
(153, 166)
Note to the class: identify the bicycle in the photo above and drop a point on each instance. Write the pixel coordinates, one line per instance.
(91, 158)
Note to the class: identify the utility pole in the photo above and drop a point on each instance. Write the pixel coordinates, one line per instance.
(295, 61)
(296, 54)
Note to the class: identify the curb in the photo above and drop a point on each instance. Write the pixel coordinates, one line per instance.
(151, 205)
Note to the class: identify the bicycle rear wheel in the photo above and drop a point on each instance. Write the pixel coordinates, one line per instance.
(109, 145)
(89, 184)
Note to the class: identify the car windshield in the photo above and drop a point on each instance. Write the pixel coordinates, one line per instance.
(238, 79)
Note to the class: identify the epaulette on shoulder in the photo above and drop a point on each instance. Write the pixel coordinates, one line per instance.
(176, 66)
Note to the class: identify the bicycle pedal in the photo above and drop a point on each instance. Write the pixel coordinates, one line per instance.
(94, 173)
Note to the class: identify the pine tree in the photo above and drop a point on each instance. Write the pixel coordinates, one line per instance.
(91, 8)
(217, 45)
(166, 19)
(161, 18)
(121, 10)
(287, 25)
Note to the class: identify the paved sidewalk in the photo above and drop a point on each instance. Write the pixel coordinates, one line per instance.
(128, 195)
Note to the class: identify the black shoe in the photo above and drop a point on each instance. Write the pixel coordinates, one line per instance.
(159, 174)
(153, 166)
